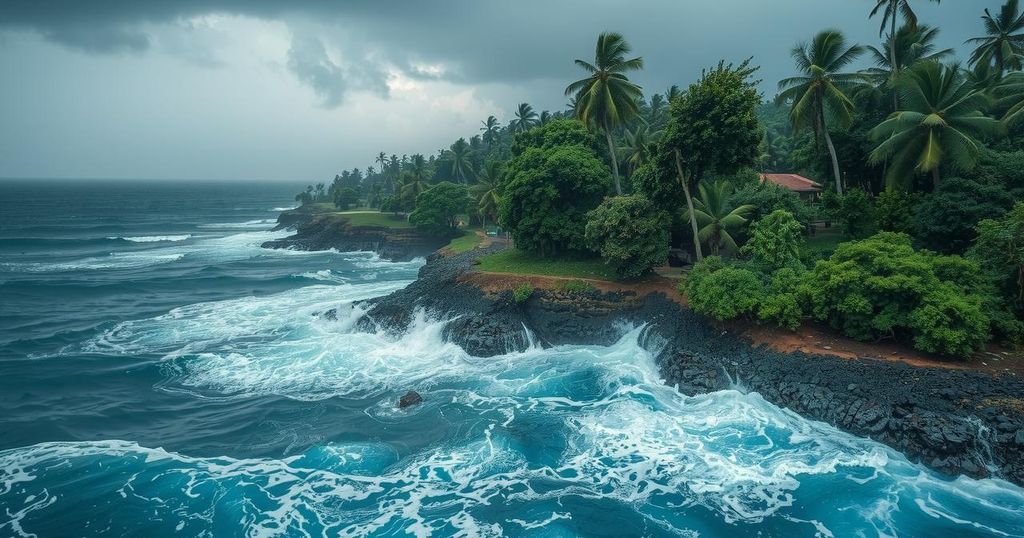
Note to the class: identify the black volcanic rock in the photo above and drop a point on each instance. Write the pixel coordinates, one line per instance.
(951, 420)
(410, 398)
(331, 231)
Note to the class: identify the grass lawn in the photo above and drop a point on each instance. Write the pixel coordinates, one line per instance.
(375, 219)
(516, 262)
(464, 243)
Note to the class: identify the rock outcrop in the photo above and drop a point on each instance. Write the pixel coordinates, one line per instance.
(955, 421)
(327, 231)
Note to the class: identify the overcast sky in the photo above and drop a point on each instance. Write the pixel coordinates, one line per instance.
(298, 90)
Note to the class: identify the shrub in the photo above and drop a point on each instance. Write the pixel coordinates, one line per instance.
(781, 304)
(856, 214)
(999, 251)
(881, 287)
(774, 242)
(547, 193)
(768, 197)
(895, 211)
(723, 292)
(945, 221)
(629, 234)
(346, 198)
(438, 208)
(522, 293)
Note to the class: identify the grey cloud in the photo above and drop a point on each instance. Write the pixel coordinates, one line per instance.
(100, 39)
(309, 62)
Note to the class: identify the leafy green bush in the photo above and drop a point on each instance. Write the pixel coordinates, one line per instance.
(774, 242)
(547, 194)
(896, 211)
(438, 208)
(781, 304)
(722, 291)
(629, 234)
(346, 198)
(522, 293)
(768, 197)
(856, 214)
(999, 251)
(945, 220)
(881, 287)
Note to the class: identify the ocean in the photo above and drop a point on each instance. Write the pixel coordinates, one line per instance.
(163, 375)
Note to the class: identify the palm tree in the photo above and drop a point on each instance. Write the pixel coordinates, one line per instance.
(913, 44)
(818, 93)
(490, 129)
(939, 122)
(545, 117)
(892, 10)
(1011, 98)
(1003, 45)
(487, 190)
(461, 165)
(672, 93)
(656, 111)
(415, 181)
(607, 98)
(715, 218)
(382, 159)
(525, 118)
(639, 146)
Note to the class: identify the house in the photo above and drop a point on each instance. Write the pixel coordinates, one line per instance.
(808, 190)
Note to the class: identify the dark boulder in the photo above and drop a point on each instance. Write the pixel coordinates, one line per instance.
(411, 398)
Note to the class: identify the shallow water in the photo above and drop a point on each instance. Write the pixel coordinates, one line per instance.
(163, 375)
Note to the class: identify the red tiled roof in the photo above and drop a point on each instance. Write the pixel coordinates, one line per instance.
(792, 182)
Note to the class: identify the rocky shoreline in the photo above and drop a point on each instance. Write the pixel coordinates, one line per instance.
(954, 421)
(325, 231)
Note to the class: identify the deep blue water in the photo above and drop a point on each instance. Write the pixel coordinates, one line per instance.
(161, 374)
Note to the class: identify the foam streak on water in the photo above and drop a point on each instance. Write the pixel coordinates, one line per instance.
(184, 381)
(559, 441)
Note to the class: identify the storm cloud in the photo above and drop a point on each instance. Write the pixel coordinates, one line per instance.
(380, 68)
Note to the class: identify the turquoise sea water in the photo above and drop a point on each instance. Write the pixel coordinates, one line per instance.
(162, 375)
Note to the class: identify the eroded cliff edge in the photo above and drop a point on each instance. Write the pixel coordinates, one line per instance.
(325, 231)
(955, 421)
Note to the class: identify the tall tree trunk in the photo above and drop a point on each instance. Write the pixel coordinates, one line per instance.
(893, 68)
(936, 178)
(615, 160)
(835, 160)
(689, 205)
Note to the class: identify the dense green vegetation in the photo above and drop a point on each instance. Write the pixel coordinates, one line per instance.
(915, 237)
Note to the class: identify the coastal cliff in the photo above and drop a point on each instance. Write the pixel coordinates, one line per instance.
(956, 421)
(326, 230)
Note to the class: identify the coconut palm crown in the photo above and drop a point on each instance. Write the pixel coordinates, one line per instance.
(606, 98)
(818, 95)
(1003, 44)
(939, 124)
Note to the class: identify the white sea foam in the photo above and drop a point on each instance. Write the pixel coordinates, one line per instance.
(726, 457)
(250, 224)
(155, 238)
(283, 208)
(239, 246)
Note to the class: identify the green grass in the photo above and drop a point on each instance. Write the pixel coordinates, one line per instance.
(387, 220)
(515, 262)
(464, 243)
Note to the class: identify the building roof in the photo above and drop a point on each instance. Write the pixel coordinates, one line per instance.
(793, 182)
